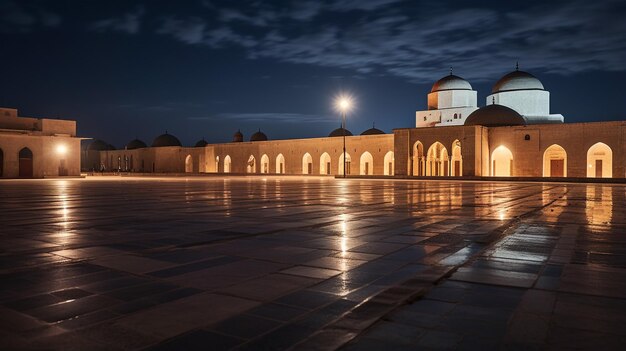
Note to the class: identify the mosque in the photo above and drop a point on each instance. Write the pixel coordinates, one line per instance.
(513, 135)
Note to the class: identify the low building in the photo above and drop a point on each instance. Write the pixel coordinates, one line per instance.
(514, 134)
(37, 147)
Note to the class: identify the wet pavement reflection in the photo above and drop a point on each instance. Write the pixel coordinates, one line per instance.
(291, 262)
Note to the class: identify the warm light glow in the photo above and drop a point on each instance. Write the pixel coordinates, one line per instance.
(344, 103)
(61, 149)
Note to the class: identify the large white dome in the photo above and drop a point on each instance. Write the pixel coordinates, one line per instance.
(451, 82)
(517, 80)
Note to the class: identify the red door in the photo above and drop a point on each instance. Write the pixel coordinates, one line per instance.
(457, 168)
(557, 168)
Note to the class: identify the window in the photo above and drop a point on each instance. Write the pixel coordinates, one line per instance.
(527, 137)
(455, 116)
(424, 118)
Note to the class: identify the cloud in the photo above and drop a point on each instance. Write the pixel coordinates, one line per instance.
(20, 17)
(279, 117)
(129, 22)
(388, 37)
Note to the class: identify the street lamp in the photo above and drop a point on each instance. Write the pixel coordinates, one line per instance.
(61, 149)
(344, 104)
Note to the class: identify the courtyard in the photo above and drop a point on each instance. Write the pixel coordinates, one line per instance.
(129, 263)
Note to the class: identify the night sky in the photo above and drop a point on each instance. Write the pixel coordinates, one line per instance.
(126, 69)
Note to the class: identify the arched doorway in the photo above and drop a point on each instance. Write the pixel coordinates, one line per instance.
(25, 163)
(1, 163)
(555, 161)
(227, 164)
(280, 164)
(457, 159)
(437, 160)
(501, 162)
(389, 163)
(419, 162)
(600, 161)
(188, 164)
(366, 164)
(265, 164)
(325, 164)
(217, 164)
(251, 165)
(340, 164)
(307, 164)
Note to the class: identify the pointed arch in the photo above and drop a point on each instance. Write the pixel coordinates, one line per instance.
(437, 163)
(217, 164)
(340, 164)
(325, 164)
(227, 164)
(280, 164)
(25, 163)
(251, 165)
(599, 161)
(389, 164)
(555, 161)
(188, 164)
(419, 161)
(366, 164)
(307, 164)
(265, 164)
(501, 162)
(457, 159)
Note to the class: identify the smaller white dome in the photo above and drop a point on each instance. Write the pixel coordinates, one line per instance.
(451, 82)
(517, 80)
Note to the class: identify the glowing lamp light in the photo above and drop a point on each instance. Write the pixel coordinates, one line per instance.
(343, 103)
(61, 149)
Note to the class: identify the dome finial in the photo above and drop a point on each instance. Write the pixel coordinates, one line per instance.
(493, 100)
(373, 124)
(517, 65)
(450, 70)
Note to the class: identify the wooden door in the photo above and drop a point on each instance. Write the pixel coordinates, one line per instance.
(26, 168)
(309, 168)
(598, 168)
(390, 171)
(328, 168)
(557, 168)
(457, 168)
(367, 168)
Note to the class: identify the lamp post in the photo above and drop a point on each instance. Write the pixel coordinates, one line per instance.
(344, 103)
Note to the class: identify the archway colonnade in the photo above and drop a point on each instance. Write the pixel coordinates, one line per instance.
(310, 165)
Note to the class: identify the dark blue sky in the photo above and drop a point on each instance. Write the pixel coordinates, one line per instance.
(126, 69)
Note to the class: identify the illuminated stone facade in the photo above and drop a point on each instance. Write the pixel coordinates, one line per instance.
(37, 148)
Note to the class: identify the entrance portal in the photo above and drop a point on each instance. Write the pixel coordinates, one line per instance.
(26, 163)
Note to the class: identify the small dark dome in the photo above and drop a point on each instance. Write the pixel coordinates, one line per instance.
(495, 116)
(135, 144)
(372, 131)
(339, 132)
(451, 82)
(100, 145)
(202, 143)
(238, 137)
(258, 136)
(166, 140)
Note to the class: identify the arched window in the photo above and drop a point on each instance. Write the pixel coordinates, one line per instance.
(251, 165)
(419, 162)
(227, 164)
(501, 162)
(25, 163)
(280, 164)
(389, 164)
(325, 163)
(366, 164)
(265, 164)
(307, 164)
(555, 162)
(600, 161)
(437, 163)
(457, 159)
(188, 164)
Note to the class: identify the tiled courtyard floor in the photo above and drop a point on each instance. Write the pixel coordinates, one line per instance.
(310, 263)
